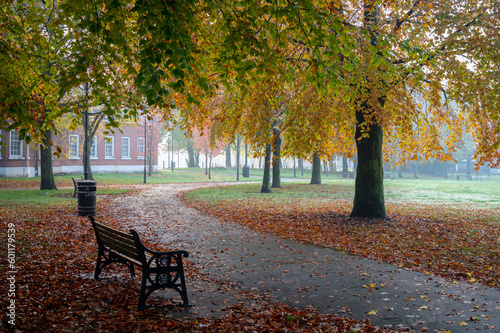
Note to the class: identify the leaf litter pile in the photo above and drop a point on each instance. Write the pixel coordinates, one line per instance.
(55, 291)
(454, 242)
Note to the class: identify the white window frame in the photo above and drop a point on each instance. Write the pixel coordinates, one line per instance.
(93, 146)
(73, 145)
(125, 148)
(109, 142)
(141, 148)
(17, 141)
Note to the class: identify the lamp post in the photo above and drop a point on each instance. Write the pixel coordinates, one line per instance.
(86, 129)
(246, 168)
(145, 159)
(172, 160)
(238, 157)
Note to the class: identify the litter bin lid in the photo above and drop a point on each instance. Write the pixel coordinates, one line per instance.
(87, 182)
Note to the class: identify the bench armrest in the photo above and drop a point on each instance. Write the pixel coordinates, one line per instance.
(159, 258)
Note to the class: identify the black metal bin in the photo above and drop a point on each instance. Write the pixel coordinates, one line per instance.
(87, 197)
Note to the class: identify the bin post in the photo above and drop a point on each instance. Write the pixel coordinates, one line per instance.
(87, 198)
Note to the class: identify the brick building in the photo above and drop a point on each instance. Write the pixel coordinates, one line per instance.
(119, 152)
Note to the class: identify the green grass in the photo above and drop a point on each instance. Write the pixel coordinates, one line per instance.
(46, 197)
(426, 191)
(485, 192)
(438, 191)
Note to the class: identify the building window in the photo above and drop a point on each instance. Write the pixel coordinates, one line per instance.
(125, 147)
(73, 146)
(109, 147)
(93, 148)
(140, 148)
(16, 146)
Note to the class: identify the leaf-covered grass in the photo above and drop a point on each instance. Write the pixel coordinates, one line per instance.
(458, 240)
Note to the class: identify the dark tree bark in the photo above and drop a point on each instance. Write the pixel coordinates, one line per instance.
(191, 157)
(206, 164)
(277, 160)
(345, 168)
(266, 179)
(47, 175)
(150, 165)
(228, 156)
(369, 187)
(316, 170)
(210, 167)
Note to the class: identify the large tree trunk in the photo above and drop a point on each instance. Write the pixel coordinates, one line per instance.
(191, 157)
(345, 169)
(266, 179)
(369, 188)
(47, 176)
(316, 170)
(228, 156)
(277, 160)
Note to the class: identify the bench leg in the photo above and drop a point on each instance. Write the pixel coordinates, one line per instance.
(99, 265)
(150, 284)
(104, 260)
(142, 293)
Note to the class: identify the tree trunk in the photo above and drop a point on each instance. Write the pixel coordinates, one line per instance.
(266, 179)
(316, 170)
(191, 157)
(277, 160)
(228, 156)
(206, 164)
(369, 188)
(47, 176)
(415, 174)
(345, 168)
(210, 168)
(467, 171)
(150, 165)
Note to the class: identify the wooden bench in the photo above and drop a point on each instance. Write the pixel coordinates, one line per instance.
(75, 184)
(159, 269)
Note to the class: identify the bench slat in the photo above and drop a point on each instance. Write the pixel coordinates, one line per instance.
(132, 260)
(119, 243)
(116, 233)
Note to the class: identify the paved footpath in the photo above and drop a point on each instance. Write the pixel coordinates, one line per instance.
(305, 276)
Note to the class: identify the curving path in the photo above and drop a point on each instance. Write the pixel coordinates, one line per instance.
(244, 266)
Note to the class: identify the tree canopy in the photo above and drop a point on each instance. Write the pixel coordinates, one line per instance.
(344, 73)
